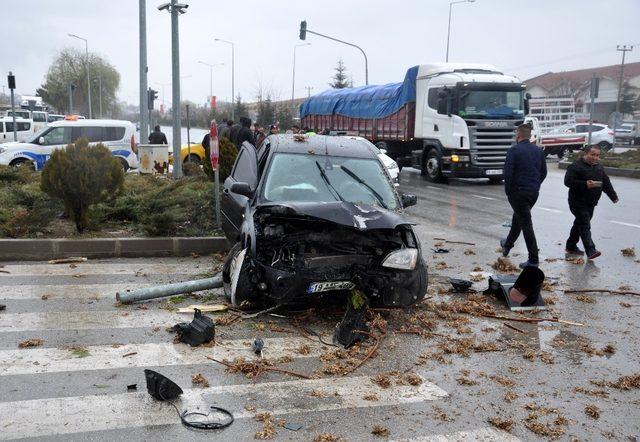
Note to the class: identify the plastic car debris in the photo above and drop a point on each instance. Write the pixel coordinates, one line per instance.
(292, 427)
(349, 330)
(520, 293)
(132, 387)
(161, 387)
(199, 331)
(257, 346)
(440, 250)
(460, 285)
(3, 307)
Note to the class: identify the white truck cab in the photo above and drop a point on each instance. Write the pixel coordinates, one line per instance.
(118, 136)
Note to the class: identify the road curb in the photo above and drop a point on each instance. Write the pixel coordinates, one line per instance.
(611, 171)
(43, 249)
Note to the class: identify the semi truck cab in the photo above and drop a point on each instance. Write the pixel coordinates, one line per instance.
(466, 115)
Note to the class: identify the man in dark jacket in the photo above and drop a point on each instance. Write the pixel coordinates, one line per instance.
(233, 133)
(245, 133)
(524, 171)
(586, 180)
(225, 131)
(157, 137)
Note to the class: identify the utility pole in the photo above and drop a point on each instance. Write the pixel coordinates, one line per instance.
(293, 78)
(449, 27)
(624, 49)
(211, 66)
(233, 77)
(71, 87)
(175, 8)
(595, 85)
(144, 111)
(86, 51)
(303, 36)
(308, 88)
(11, 82)
(100, 91)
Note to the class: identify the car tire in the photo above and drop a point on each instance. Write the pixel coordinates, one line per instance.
(243, 290)
(195, 159)
(124, 164)
(604, 146)
(23, 163)
(432, 167)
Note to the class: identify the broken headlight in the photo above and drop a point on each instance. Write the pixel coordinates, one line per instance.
(404, 259)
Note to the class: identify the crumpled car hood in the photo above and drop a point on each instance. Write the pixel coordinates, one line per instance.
(359, 216)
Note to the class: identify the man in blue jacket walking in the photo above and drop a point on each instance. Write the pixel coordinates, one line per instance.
(524, 171)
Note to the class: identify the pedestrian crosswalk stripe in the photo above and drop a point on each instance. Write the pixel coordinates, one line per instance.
(100, 357)
(90, 320)
(96, 268)
(79, 291)
(56, 416)
(487, 434)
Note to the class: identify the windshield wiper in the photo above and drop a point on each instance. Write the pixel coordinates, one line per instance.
(361, 181)
(324, 176)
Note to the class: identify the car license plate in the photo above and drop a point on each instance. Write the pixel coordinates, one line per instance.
(494, 172)
(318, 287)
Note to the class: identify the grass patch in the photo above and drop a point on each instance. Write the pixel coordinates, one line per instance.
(177, 299)
(147, 206)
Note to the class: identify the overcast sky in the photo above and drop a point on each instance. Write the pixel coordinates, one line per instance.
(522, 37)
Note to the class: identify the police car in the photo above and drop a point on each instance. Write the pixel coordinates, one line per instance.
(117, 135)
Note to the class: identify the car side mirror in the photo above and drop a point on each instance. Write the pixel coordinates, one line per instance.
(41, 140)
(408, 200)
(242, 189)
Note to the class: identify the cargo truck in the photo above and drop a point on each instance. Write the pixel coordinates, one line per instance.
(450, 120)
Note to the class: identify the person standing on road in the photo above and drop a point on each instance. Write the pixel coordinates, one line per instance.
(586, 180)
(225, 131)
(524, 171)
(245, 133)
(233, 133)
(157, 137)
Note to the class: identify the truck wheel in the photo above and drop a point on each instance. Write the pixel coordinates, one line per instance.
(432, 167)
(562, 153)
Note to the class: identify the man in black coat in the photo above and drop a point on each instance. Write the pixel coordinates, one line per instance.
(245, 133)
(157, 137)
(586, 180)
(525, 169)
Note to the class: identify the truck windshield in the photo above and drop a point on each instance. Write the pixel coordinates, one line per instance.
(313, 178)
(490, 104)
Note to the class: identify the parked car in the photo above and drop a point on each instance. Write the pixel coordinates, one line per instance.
(24, 129)
(116, 135)
(601, 134)
(628, 133)
(310, 215)
(54, 117)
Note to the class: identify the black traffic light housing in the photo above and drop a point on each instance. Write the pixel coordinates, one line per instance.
(11, 81)
(303, 30)
(151, 97)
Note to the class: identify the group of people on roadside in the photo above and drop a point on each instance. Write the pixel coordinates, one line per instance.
(524, 171)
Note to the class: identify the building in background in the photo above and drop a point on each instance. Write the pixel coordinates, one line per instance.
(575, 84)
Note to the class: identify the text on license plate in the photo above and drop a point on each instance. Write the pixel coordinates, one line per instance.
(318, 287)
(494, 172)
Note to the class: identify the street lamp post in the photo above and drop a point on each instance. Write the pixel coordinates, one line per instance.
(86, 50)
(449, 27)
(233, 76)
(293, 79)
(211, 66)
(303, 35)
(175, 8)
(624, 49)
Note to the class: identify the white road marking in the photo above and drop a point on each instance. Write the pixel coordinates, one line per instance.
(102, 357)
(92, 268)
(483, 197)
(109, 412)
(487, 434)
(80, 291)
(626, 224)
(89, 320)
(546, 209)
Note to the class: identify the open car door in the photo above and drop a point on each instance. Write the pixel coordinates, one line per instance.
(243, 180)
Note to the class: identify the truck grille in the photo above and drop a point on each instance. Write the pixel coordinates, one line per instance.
(490, 141)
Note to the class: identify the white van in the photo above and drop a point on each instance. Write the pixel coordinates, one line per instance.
(24, 129)
(40, 119)
(117, 135)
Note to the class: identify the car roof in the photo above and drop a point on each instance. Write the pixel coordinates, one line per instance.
(87, 122)
(18, 119)
(344, 146)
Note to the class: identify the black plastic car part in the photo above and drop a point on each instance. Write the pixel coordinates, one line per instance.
(460, 285)
(350, 329)
(199, 331)
(160, 387)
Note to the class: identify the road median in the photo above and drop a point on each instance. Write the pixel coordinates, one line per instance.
(611, 171)
(53, 248)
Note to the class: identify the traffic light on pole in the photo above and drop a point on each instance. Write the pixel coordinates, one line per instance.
(151, 97)
(303, 30)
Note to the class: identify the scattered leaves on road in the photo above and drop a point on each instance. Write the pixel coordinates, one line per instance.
(629, 251)
(504, 265)
(503, 424)
(200, 380)
(380, 431)
(31, 343)
(627, 382)
(592, 411)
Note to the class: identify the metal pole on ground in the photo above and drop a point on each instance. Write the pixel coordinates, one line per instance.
(11, 80)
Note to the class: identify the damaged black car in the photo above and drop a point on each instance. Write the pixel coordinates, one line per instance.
(314, 216)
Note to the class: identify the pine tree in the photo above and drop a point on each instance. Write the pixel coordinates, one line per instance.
(340, 78)
(240, 109)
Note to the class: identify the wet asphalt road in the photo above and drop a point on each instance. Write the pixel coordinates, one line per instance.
(73, 385)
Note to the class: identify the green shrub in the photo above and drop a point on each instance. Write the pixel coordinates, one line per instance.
(228, 154)
(22, 175)
(82, 176)
(192, 169)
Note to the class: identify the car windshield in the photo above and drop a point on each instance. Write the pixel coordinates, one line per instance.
(490, 104)
(37, 135)
(311, 178)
